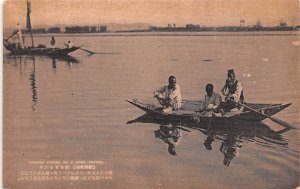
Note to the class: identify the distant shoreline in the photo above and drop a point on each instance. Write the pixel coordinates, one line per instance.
(124, 34)
(189, 30)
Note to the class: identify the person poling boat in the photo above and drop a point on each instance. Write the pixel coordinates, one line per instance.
(20, 37)
(19, 48)
(232, 90)
(169, 96)
(20, 40)
(69, 45)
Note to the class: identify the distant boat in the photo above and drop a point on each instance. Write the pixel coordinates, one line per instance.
(16, 49)
(40, 50)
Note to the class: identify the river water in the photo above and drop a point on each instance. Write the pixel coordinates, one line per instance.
(74, 110)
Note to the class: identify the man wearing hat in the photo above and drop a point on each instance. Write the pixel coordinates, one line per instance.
(233, 89)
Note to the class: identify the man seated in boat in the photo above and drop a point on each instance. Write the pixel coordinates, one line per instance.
(232, 90)
(69, 44)
(212, 100)
(169, 96)
(52, 42)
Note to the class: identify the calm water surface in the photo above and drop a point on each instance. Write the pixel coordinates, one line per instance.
(75, 110)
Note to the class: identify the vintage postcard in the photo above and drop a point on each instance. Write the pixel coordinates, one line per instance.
(150, 94)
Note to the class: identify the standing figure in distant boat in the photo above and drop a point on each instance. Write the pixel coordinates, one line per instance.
(69, 44)
(211, 101)
(20, 38)
(169, 96)
(52, 42)
(233, 90)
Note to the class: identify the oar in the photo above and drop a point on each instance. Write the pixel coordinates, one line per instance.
(14, 33)
(276, 120)
(91, 52)
(183, 129)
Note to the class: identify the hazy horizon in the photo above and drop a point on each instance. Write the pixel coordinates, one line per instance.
(151, 12)
(125, 24)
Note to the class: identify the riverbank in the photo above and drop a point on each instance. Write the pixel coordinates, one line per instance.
(109, 34)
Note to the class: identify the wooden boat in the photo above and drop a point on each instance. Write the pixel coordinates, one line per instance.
(231, 131)
(40, 50)
(188, 112)
(15, 49)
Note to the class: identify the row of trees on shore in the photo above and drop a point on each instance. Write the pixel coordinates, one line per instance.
(71, 29)
(282, 26)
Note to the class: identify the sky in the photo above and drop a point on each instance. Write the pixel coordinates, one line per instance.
(155, 12)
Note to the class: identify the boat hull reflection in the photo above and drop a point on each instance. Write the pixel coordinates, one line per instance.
(232, 135)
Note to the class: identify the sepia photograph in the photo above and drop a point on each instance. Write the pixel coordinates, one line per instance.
(151, 94)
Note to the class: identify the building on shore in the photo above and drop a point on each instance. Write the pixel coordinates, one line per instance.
(85, 29)
(241, 28)
(39, 30)
(54, 30)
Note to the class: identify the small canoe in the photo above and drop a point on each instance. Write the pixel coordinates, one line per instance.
(188, 112)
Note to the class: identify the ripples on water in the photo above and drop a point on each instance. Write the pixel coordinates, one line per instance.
(231, 136)
(75, 109)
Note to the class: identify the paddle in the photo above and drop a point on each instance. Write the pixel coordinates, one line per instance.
(276, 120)
(183, 129)
(91, 52)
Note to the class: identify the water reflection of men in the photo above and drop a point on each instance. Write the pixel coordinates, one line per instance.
(54, 64)
(170, 135)
(230, 148)
(209, 139)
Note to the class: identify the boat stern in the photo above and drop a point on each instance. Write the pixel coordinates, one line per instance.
(268, 110)
(273, 110)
